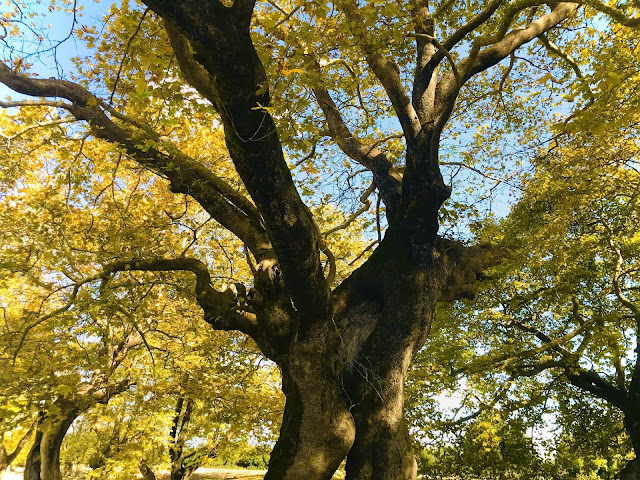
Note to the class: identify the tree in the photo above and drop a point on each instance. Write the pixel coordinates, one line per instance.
(566, 308)
(8, 457)
(343, 349)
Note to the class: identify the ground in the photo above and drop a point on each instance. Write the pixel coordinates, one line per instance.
(201, 474)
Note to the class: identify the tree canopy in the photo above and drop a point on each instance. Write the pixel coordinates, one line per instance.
(302, 173)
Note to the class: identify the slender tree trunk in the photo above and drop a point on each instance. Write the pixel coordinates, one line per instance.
(4, 462)
(631, 471)
(32, 465)
(6, 459)
(43, 461)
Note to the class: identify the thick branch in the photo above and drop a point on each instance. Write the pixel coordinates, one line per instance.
(387, 72)
(220, 308)
(425, 80)
(590, 381)
(481, 59)
(470, 26)
(222, 44)
(465, 266)
(192, 71)
(228, 207)
(430, 58)
(388, 182)
(616, 14)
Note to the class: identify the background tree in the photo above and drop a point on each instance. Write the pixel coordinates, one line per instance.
(7, 457)
(566, 305)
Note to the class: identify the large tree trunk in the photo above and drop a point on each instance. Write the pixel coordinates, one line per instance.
(318, 428)
(50, 445)
(382, 316)
(375, 379)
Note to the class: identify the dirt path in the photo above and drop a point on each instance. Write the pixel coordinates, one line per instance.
(227, 474)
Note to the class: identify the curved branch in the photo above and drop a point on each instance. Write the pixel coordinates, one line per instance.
(231, 209)
(387, 181)
(221, 309)
(615, 13)
(425, 72)
(559, 52)
(481, 59)
(366, 203)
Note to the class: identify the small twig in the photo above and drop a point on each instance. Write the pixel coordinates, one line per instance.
(126, 52)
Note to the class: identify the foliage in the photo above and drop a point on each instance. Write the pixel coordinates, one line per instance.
(223, 160)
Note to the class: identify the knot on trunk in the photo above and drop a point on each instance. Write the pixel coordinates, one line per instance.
(268, 278)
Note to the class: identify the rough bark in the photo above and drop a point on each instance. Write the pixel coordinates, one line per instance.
(631, 470)
(317, 429)
(393, 322)
(53, 432)
(146, 472)
(43, 460)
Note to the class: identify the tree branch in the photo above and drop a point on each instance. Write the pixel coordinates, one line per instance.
(194, 73)
(616, 14)
(21, 443)
(559, 52)
(425, 79)
(231, 209)
(481, 59)
(223, 310)
(366, 203)
(53, 313)
(634, 386)
(426, 68)
(59, 121)
(387, 72)
(504, 360)
(388, 182)
(222, 44)
(590, 381)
